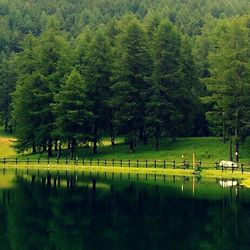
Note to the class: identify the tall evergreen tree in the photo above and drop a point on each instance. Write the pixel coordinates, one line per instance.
(52, 63)
(229, 83)
(71, 110)
(43, 64)
(23, 117)
(7, 86)
(164, 107)
(131, 67)
(97, 76)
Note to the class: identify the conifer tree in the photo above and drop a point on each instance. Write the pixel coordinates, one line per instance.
(71, 110)
(229, 83)
(97, 76)
(131, 68)
(163, 109)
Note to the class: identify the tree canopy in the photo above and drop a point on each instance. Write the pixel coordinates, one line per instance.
(76, 71)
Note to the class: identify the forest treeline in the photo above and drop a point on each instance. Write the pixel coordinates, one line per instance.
(72, 72)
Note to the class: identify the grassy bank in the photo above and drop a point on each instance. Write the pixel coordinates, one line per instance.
(131, 170)
(206, 149)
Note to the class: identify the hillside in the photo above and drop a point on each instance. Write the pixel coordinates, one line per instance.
(209, 150)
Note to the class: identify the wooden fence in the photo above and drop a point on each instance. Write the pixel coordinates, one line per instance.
(122, 163)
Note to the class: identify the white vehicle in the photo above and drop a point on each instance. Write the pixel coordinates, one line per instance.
(228, 164)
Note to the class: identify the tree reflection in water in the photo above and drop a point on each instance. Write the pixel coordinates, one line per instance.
(123, 214)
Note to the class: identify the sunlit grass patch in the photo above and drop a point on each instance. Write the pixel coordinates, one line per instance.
(246, 183)
(5, 147)
(6, 181)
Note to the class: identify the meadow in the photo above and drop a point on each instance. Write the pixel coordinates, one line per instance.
(205, 149)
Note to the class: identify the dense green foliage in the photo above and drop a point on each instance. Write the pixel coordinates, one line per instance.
(75, 71)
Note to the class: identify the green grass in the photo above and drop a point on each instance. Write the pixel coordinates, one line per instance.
(206, 150)
(131, 170)
(246, 183)
(5, 145)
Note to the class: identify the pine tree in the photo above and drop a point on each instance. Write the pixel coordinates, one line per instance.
(7, 86)
(229, 82)
(97, 76)
(164, 107)
(53, 62)
(23, 116)
(131, 67)
(71, 110)
(41, 65)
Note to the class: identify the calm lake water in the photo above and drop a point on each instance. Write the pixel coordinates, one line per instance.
(121, 211)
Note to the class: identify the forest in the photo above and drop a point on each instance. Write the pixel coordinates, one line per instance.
(74, 72)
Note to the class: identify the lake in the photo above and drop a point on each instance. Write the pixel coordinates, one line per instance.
(82, 210)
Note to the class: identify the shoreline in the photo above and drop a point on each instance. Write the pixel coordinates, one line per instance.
(133, 170)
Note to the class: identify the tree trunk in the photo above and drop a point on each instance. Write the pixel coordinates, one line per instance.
(6, 125)
(237, 149)
(141, 134)
(10, 128)
(72, 148)
(230, 148)
(44, 148)
(59, 150)
(237, 136)
(50, 147)
(145, 138)
(157, 139)
(95, 137)
(131, 145)
(112, 135)
(56, 149)
(34, 148)
(157, 143)
(224, 128)
(113, 142)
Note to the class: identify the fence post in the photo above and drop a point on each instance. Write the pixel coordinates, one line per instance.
(155, 163)
(121, 163)
(164, 164)
(174, 164)
(90, 162)
(16, 161)
(105, 162)
(242, 167)
(48, 160)
(217, 165)
(38, 160)
(98, 162)
(83, 162)
(146, 162)
(137, 163)
(4, 160)
(129, 163)
(113, 162)
(27, 160)
(66, 161)
(232, 167)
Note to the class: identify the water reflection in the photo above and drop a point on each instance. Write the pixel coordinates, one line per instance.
(114, 211)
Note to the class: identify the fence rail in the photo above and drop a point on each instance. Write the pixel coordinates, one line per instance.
(124, 163)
